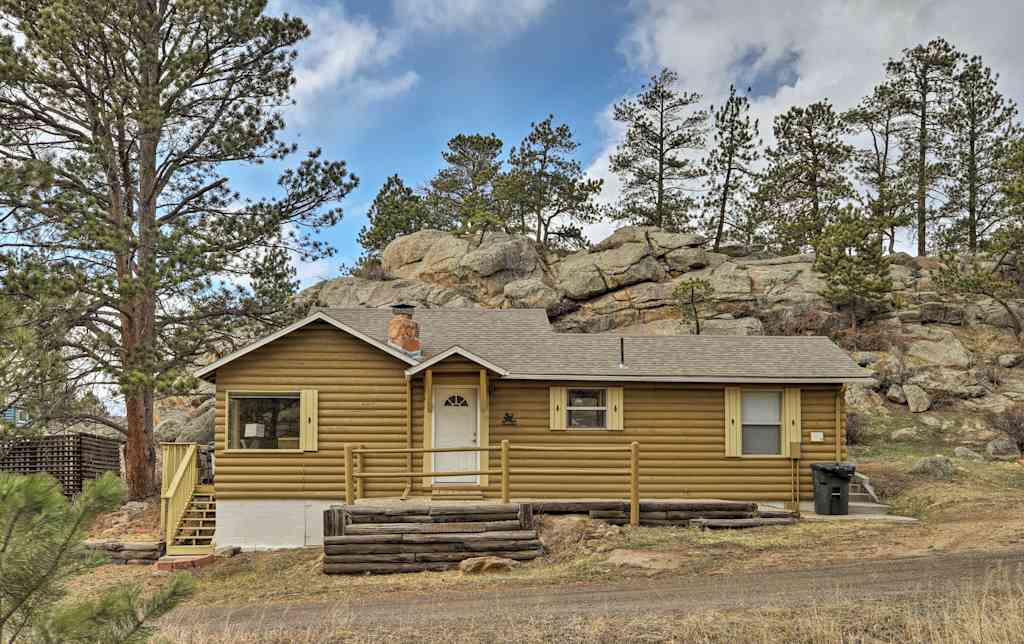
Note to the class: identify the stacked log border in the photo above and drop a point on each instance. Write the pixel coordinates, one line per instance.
(364, 539)
(72, 459)
(673, 513)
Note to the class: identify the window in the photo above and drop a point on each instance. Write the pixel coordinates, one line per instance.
(264, 421)
(586, 409)
(762, 423)
(455, 400)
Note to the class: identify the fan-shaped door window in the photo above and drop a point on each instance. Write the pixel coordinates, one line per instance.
(456, 400)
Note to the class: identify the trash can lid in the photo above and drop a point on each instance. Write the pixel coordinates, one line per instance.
(841, 470)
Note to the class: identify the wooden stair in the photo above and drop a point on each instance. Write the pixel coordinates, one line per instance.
(195, 531)
(457, 493)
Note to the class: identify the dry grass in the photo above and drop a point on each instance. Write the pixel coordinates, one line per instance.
(992, 612)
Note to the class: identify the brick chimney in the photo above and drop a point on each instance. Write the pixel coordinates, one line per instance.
(403, 331)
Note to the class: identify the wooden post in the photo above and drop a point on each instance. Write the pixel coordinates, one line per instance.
(634, 484)
(408, 435)
(349, 489)
(359, 482)
(504, 471)
(428, 424)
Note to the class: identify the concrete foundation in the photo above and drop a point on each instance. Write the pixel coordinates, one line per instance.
(265, 524)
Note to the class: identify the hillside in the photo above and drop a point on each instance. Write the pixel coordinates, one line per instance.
(951, 359)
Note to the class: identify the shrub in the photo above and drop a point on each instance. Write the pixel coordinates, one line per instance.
(856, 429)
(1009, 423)
(370, 268)
(803, 319)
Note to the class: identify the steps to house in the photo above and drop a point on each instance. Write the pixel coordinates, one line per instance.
(195, 531)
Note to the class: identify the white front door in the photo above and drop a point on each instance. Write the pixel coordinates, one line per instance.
(455, 425)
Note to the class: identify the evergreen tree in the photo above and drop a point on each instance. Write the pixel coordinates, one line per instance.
(921, 79)
(692, 298)
(728, 169)
(855, 268)
(41, 547)
(807, 180)
(464, 191)
(981, 124)
(663, 128)
(397, 210)
(881, 165)
(115, 122)
(556, 198)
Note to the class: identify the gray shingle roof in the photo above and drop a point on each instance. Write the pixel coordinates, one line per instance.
(522, 342)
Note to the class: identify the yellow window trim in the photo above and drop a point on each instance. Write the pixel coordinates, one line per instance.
(790, 423)
(559, 410)
(308, 419)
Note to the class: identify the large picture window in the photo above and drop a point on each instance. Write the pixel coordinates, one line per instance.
(264, 421)
(587, 409)
(762, 423)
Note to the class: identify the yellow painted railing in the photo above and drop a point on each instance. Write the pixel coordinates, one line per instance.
(354, 474)
(180, 476)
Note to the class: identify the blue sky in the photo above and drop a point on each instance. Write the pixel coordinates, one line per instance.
(384, 84)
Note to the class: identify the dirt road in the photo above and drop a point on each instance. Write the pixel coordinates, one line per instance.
(777, 588)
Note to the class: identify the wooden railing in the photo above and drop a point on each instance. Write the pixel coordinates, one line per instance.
(180, 476)
(354, 465)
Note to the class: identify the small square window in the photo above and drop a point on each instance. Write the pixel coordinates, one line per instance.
(762, 423)
(263, 421)
(587, 409)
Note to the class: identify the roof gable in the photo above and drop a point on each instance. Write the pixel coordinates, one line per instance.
(207, 372)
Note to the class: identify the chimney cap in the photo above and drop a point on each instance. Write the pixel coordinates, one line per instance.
(403, 309)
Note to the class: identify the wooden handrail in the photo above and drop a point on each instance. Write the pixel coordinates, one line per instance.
(178, 492)
(354, 476)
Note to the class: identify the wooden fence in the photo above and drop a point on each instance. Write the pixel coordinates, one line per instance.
(354, 474)
(72, 459)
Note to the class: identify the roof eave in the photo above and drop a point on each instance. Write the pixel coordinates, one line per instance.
(839, 380)
(451, 351)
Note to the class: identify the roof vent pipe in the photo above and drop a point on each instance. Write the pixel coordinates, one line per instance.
(622, 353)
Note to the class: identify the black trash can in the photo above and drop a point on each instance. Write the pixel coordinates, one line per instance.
(832, 487)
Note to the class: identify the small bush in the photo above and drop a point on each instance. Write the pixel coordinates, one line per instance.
(1009, 423)
(369, 268)
(856, 429)
(864, 339)
(803, 319)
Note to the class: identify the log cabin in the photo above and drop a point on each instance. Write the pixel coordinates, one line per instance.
(371, 391)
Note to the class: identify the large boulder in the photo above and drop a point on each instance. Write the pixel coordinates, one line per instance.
(486, 565)
(950, 383)
(1010, 360)
(896, 395)
(356, 292)
(741, 326)
(730, 281)
(637, 304)
(1002, 449)
(948, 352)
(967, 454)
(404, 255)
(917, 400)
(786, 280)
(532, 293)
(587, 274)
(941, 313)
(686, 259)
(499, 260)
(935, 467)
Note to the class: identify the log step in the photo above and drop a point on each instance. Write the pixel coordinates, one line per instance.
(734, 524)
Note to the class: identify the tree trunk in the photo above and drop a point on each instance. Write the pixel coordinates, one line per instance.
(972, 197)
(922, 179)
(721, 208)
(139, 453)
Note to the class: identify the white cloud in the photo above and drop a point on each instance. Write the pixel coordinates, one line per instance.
(820, 49)
(448, 16)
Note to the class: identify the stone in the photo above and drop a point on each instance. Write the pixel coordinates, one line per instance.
(227, 551)
(941, 313)
(936, 467)
(686, 259)
(932, 422)
(948, 352)
(742, 326)
(896, 395)
(904, 435)
(862, 398)
(532, 293)
(968, 454)
(167, 430)
(1010, 360)
(584, 275)
(917, 400)
(486, 565)
(198, 429)
(731, 282)
(356, 292)
(864, 358)
(403, 255)
(950, 383)
(183, 562)
(647, 559)
(1002, 449)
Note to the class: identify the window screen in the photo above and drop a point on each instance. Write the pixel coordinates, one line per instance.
(762, 422)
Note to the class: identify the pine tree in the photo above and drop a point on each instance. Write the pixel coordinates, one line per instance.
(728, 168)
(692, 298)
(807, 180)
(881, 164)
(41, 547)
(855, 268)
(556, 198)
(397, 210)
(922, 79)
(116, 120)
(663, 128)
(464, 190)
(981, 124)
